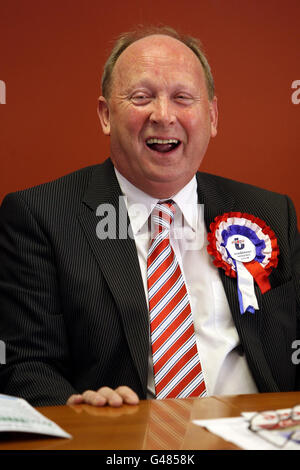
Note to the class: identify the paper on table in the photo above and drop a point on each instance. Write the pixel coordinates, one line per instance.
(16, 415)
(236, 430)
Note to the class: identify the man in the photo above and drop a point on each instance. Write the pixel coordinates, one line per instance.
(74, 304)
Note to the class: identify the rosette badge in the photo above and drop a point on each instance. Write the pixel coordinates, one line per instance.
(246, 248)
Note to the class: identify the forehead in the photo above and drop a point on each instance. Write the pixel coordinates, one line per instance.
(157, 54)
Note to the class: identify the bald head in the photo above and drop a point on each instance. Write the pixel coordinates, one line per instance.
(155, 52)
(127, 39)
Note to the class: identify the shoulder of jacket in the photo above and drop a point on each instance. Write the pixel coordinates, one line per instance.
(237, 188)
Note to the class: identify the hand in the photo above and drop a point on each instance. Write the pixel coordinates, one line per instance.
(106, 396)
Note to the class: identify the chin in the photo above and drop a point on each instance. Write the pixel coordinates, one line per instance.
(164, 176)
(166, 185)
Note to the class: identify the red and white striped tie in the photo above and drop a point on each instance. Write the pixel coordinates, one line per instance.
(177, 369)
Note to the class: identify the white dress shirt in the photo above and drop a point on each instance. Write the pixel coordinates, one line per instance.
(225, 370)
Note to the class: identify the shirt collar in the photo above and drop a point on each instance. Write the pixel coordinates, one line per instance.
(187, 200)
(140, 204)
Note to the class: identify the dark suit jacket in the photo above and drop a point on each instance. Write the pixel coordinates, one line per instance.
(72, 307)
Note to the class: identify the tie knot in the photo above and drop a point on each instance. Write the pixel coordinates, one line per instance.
(163, 215)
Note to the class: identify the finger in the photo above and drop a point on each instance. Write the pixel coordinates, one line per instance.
(128, 395)
(111, 396)
(75, 400)
(93, 398)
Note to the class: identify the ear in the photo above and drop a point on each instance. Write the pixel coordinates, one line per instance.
(104, 115)
(214, 116)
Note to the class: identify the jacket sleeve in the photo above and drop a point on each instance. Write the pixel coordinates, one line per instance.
(32, 327)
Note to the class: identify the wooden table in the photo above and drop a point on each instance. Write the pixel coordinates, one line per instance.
(152, 425)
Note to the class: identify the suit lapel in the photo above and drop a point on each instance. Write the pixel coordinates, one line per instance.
(118, 261)
(217, 202)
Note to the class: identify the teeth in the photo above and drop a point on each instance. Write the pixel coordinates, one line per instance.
(162, 141)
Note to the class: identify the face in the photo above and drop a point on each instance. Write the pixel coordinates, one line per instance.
(158, 115)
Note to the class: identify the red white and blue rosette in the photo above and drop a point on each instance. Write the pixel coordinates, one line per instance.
(246, 248)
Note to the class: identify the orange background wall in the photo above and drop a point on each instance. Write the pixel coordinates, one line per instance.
(51, 58)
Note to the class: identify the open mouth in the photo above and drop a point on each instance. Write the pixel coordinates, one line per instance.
(162, 145)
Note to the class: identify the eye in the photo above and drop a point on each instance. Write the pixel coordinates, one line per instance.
(184, 98)
(140, 98)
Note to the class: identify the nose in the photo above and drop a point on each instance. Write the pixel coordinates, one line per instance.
(162, 112)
